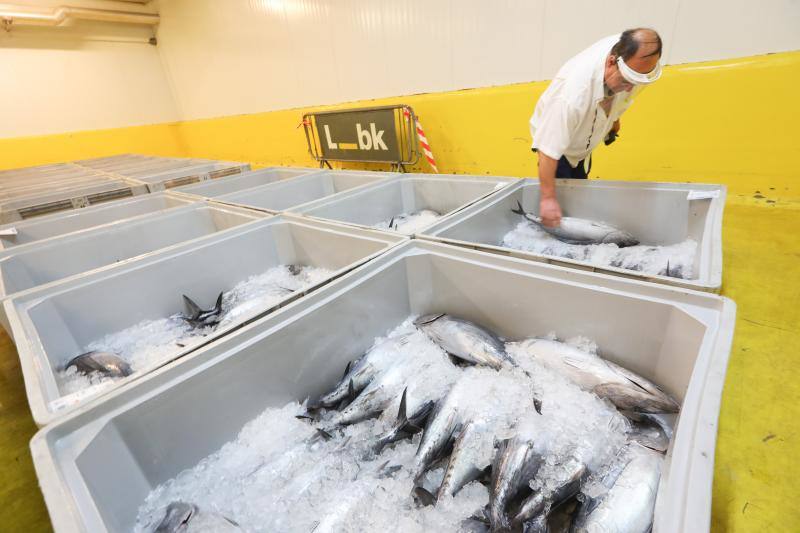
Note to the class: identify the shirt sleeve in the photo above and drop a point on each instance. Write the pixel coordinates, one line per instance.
(553, 128)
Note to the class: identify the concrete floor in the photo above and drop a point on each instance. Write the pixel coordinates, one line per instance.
(756, 470)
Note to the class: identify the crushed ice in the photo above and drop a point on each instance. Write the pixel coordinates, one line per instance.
(152, 342)
(674, 260)
(409, 223)
(279, 475)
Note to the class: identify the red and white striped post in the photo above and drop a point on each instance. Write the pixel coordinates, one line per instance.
(423, 141)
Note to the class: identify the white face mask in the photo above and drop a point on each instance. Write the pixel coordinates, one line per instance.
(637, 78)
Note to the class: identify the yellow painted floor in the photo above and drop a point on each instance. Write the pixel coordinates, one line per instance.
(757, 471)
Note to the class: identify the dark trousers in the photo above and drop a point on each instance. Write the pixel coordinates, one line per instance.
(565, 170)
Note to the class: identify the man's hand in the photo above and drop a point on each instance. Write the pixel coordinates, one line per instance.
(550, 212)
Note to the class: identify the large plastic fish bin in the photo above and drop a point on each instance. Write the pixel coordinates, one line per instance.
(193, 174)
(62, 199)
(99, 162)
(246, 180)
(38, 170)
(51, 324)
(57, 224)
(138, 163)
(300, 190)
(444, 194)
(97, 466)
(655, 213)
(40, 263)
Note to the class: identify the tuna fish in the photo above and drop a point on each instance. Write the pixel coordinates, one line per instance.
(564, 486)
(472, 454)
(201, 318)
(405, 427)
(104, 363)
(443, 423)
(620, 386)
(358, 375)
(515, 465)
(183, 517)
(464, 340)
(573, 230)
(628, 505)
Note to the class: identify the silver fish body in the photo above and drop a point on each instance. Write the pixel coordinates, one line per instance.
(104, 363)
(574, 230)
(472, 453)
(567, 484)
(515, 465)
(443, 423)
(376, 396)
(181, 517)
(628, 505)
(620, 386)
(363, 371)
(464, 340)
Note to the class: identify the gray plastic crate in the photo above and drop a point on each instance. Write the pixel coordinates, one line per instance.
(192, 174)
(97, 162)
(49, 226)
(445, 194)
(300, 190)
(655, 213)
(40, 263)
(247, 180)
(51, 324)
(97, 466)
(52, 201)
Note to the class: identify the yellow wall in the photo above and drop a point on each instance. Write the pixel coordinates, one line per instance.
(731, 121)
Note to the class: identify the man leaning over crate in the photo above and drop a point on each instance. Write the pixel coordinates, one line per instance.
(582, 105)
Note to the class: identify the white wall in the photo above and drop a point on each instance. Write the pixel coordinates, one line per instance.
(228, 57)
(84, 76)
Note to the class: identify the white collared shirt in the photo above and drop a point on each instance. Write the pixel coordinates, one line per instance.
(568, 119)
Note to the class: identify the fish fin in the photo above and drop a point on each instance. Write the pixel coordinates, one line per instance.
(351, 390)
(667, 267)
(347, 369)
(193, 308)
(518, 210)
(218, 305)
(324, 434)
(304, 417)
(423, 497)
(402, 415)
(428, 319)
(537, 404)
(634, 399)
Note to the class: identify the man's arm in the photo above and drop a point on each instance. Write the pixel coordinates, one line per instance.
(549, 209)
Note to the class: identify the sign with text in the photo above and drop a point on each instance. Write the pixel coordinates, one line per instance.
(359, 135)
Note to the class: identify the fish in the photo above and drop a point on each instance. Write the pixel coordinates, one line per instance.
(625, 389)
(405, 427)
(629, 503)
(384, 388)
(472, 454)
(181, 517)
(398, 222)
(650, 435)
(571, 475)
(359, 374)
(201, 318)
(104, 363)
(514, 466)
(443, 423)
(464, 340)
(574, 230)
(295, 270)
